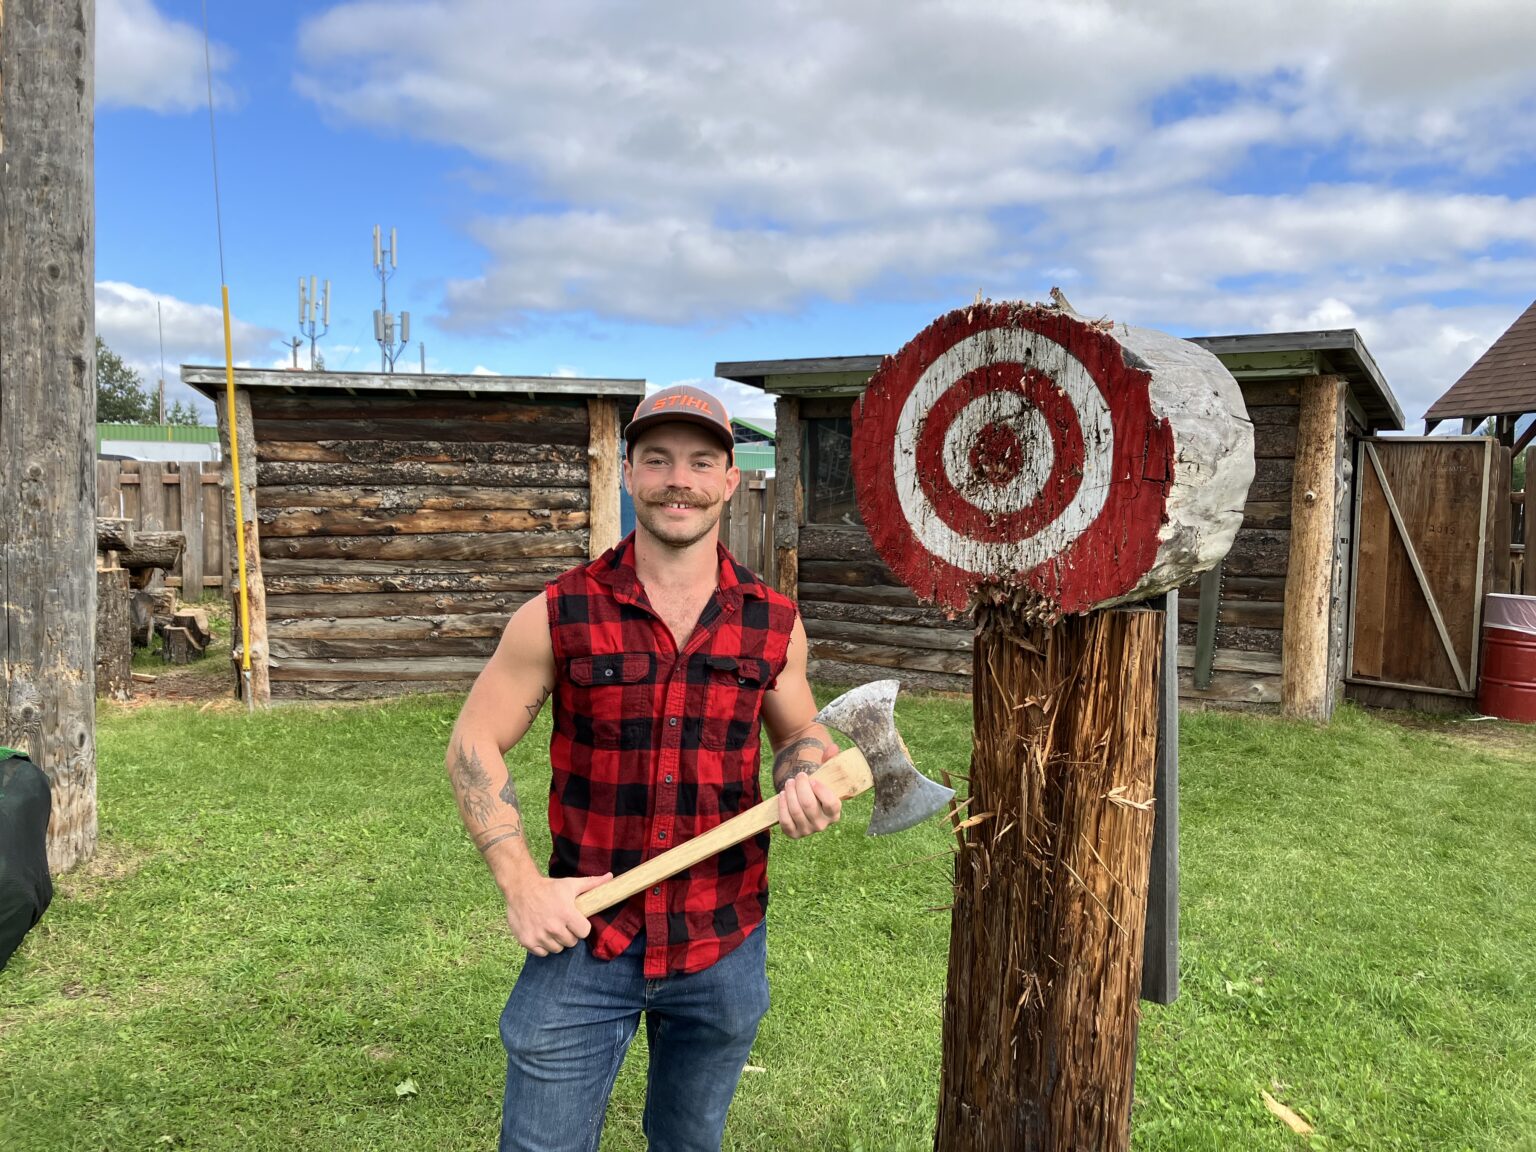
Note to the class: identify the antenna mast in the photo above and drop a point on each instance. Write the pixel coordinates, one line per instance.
(314, 320)
(391, 343)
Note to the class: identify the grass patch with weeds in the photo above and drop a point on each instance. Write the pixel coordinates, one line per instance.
(285, 925)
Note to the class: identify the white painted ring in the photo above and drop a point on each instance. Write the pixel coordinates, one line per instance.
(1034, 435)
(1029, 350)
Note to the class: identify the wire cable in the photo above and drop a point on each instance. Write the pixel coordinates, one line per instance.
(231, 423)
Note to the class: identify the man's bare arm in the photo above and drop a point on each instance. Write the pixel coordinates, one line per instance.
(501, 707)
(800, 746)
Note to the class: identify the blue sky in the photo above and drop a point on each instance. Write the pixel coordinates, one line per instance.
(611, 189)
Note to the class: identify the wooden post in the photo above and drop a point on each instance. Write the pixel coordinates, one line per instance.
(243, 427)
(1304, 664)
(1050, 889)
(114, 638)
(1047, 470)
(190, 494)
(603, 474)
(48, 407)
(790, 502)
(1160, 956)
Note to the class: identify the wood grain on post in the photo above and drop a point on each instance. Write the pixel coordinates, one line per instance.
(1051, 885)
(603, 474)
(241, 428)
(789, 496)
(1304, 690)
(114, 636)
(48, 407)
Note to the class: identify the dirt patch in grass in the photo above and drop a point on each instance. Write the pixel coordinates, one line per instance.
(112, 864)
(1501, 738)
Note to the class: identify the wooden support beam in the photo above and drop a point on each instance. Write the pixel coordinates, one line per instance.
(48, 408)
(240, 426)
(790, 503)
(603, 474)
(1304, 688)
(1205, 634)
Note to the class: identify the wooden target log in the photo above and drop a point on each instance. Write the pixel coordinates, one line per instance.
(1019, 452)
(1047, 472)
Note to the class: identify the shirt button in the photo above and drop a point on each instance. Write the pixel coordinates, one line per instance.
(656, 891)
(661, 835)
(607, 671)
(672, 722)
(669, 778)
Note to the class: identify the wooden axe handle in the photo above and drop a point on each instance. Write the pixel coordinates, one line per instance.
(847, 773)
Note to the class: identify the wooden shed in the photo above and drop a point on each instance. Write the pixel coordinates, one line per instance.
(395, 521)
(1246, 630)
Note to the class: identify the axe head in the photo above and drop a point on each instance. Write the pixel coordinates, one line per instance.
(903, 795)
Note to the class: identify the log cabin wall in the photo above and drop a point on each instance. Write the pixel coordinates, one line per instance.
(1245, 667)
(398, 532)
(861, 622)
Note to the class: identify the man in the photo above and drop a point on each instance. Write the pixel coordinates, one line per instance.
(661, 657)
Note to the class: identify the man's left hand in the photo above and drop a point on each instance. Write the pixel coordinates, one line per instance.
(807, 805)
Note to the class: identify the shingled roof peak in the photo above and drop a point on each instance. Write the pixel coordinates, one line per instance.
(1503, 380)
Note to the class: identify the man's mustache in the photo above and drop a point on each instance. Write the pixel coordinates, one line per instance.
(675, 496)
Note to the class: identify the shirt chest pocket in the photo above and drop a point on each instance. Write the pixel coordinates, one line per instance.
(733, 700)
(613, 705)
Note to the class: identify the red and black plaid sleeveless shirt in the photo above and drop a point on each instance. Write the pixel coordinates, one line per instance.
(653, 746)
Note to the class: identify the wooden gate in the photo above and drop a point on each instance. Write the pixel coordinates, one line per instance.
(1427, 517)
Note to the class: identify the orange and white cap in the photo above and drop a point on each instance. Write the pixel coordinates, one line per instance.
(685, 403)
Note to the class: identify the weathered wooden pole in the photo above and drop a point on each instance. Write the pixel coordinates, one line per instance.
(603, 482)
(243, 429)
(1306, 683)
(48, 407)
(1049, 473)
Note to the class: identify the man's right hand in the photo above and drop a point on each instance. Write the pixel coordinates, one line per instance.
(542, 912)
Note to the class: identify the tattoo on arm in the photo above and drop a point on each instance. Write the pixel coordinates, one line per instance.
(472, 785)
(500, 832)
(508, 793)
(796, 759)
(533, 709)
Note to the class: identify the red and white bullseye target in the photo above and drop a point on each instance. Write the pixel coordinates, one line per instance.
(1015, 446)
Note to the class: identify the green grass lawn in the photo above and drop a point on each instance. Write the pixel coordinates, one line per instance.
(286, 942)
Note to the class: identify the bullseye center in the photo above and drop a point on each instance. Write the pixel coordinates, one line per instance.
(997, 455)
(998, 452)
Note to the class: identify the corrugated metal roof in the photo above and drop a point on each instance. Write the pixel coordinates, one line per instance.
(1502, 382)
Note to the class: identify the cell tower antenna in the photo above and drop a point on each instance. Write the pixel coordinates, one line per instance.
(314, 319)
(393, 333)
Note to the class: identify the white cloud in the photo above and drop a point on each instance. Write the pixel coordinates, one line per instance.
(145, 59)
(194, 334)
(700, 162)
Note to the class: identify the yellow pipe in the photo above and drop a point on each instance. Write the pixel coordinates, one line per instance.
(234, 461)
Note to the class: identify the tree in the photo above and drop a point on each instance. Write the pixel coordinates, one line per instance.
(179, 413)
(121, 397)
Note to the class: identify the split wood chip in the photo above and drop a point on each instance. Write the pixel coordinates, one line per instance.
(1117, 796)
(1292, 1121)
(972, 821)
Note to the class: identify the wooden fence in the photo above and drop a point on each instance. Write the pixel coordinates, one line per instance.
(746, 527)
(171, 497)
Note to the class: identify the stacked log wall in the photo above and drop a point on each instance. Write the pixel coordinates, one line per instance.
(398, 534)
(1251, 618)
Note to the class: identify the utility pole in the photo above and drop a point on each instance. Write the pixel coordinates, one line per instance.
(314, 320)
(48, 407)
(385, 261)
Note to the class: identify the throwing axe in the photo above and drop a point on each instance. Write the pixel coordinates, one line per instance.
(878, 759)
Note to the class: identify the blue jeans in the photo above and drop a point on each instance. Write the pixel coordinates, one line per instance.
(571, 1017)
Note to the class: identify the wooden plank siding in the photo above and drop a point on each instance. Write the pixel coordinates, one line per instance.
(399, 533)
(191, 503)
